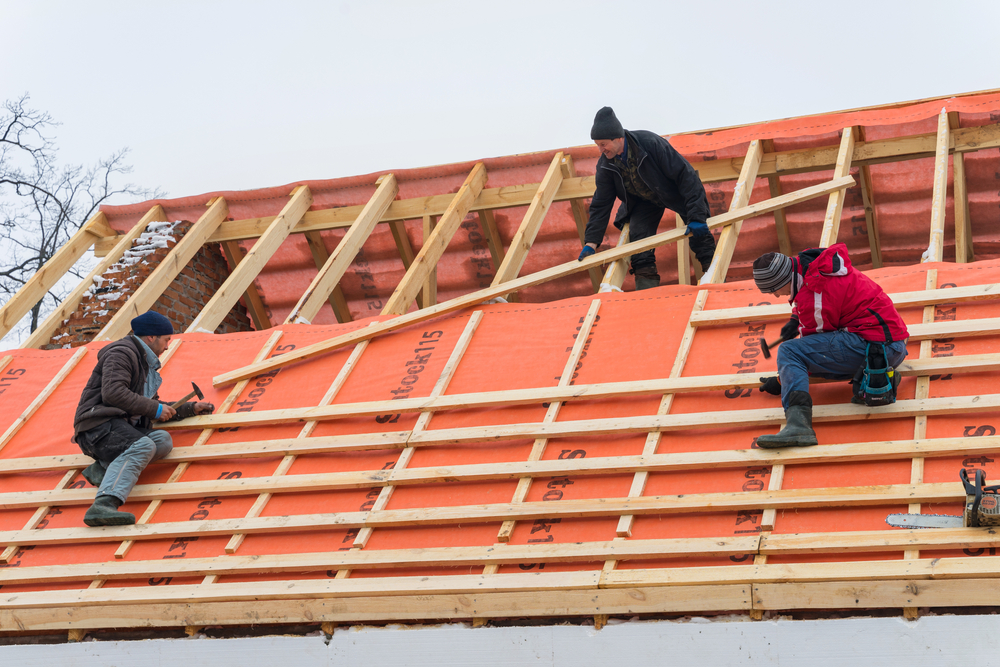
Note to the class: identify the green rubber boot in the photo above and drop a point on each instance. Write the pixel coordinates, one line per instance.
(798, 431)
(104, 512)
(94, 474)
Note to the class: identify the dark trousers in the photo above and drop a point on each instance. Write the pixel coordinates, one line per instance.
(644, 218)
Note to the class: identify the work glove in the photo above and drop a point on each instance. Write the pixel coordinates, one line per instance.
(790, 330)
(696, 228)
(184, 410)
(585, 253)
(771, 385)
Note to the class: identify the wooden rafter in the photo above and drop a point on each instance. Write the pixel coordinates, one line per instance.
(580, 216)
(429, 292)
(726, 245)
(337, 300)
(546, 275)
(868, 199)
(243, 275)
(339, 261)
(255, 304)
(425, 261)
(835, 205)
(780, 222)
(963, 223)
(523, 239)
(939, 200)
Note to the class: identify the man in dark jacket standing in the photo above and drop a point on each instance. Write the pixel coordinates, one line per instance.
(114, 418)
(645, 172)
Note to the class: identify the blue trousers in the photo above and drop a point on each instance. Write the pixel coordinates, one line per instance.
(122, 473)
(836, 355)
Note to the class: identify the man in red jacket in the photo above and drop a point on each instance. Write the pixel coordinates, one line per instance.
(838, 310)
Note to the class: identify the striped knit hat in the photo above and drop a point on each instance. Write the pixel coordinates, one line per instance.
(772, 271)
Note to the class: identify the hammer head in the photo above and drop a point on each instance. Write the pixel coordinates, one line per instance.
(197, 392)
(763, 348)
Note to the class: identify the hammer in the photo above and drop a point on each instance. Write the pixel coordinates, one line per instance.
(765, 347)
(197, 392)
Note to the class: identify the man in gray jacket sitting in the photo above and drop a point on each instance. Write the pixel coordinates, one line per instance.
(113, 423)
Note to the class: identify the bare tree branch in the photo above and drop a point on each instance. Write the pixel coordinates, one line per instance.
(42, 203)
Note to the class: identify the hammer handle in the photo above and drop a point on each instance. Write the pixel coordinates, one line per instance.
(182, 401)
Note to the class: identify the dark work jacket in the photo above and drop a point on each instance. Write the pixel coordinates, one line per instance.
(665, 171)
(115, 387)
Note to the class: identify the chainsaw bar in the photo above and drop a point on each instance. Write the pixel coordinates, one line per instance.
(924, 521)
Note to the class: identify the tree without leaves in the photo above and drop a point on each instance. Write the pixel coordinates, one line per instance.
(42, 204)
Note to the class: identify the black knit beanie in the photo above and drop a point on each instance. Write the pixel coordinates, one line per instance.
(772, 271)
(606, 125)
(152, 323)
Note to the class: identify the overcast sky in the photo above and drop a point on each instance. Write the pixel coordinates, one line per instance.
(237, 95)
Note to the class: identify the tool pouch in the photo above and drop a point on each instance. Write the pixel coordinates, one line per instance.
(875, 383)
(982, 504)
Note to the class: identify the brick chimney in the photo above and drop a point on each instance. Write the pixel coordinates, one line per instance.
(181, 301)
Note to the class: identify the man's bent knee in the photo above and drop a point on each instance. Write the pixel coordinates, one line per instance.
(163, 442)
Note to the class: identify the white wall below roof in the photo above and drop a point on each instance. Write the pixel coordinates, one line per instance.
(932, 640)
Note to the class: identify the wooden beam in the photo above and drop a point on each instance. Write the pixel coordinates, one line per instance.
(939, 200)
(336, 265)
(868, 199)
(43, 334)
(781, 311)
(726, 246)
(546, 275)
(615, 275)
(218, 307)
(709, 503)
(255, 305)
(337, 299)
(398, 229)
(429, 291)
(431, 251)
(455, 556)
(963, 223)
(835, 206)
(150, 290)
(780, 222)
(962, 364)
(492, 234)
(51, 273)
(523, 239)
(580, 217)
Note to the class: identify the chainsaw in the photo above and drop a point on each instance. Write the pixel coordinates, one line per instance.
(982, 508)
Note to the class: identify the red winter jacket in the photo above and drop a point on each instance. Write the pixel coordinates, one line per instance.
(829, 294)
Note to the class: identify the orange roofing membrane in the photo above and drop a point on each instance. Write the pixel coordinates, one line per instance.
(635, 336)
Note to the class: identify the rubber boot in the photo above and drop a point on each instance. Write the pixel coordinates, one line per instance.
(94, 473)
(646, 282)
(798, 431)
(104, 512)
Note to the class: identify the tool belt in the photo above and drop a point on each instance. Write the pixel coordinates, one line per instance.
(982, 504)
(876, 381)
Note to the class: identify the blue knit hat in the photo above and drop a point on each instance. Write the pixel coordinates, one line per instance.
(152, 323)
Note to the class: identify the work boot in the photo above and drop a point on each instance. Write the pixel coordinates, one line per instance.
(94, 473)
(645, 282)
(798, 431)
(104, 512)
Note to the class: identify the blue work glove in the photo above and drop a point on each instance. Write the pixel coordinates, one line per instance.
(696, 228)
(585, 253)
